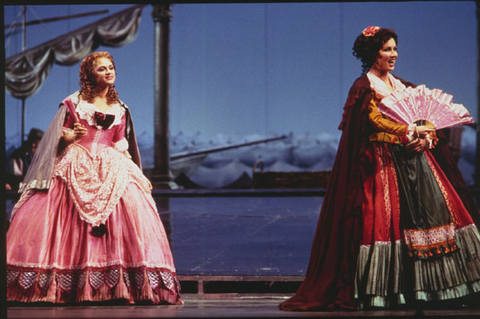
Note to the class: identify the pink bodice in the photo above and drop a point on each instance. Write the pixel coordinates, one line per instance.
(98, 139)
(97, 169)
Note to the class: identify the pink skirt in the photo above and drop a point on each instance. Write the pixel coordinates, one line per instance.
(52, 255)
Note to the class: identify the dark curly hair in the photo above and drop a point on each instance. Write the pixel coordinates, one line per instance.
(88, 85)
(366, 48)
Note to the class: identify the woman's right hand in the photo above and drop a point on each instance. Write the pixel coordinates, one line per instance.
(79, 131)
(417, 145)
(75, 135)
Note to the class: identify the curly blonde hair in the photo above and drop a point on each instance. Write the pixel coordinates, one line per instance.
(88, 90)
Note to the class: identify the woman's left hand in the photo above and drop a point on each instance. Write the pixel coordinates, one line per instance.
(417, 145)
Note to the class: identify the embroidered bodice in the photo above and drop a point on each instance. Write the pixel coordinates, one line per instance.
(97, 137)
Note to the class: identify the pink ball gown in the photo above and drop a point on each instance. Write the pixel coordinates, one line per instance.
(52, 253)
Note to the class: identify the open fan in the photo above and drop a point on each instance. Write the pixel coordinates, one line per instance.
(421, 103)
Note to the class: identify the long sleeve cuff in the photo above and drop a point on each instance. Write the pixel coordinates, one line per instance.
(411, 132)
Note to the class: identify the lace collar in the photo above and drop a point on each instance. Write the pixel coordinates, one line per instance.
(381, 88)
(86, 111)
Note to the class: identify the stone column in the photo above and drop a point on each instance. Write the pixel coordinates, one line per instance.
(161, 177)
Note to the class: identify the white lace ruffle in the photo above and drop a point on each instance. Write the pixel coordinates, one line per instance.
(380, 87)
(86, 111)
(121, 146)
(96, 182)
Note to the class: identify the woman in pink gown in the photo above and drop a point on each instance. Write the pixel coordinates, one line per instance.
(86, 227)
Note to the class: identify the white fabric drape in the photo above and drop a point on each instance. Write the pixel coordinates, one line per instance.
(25, 72)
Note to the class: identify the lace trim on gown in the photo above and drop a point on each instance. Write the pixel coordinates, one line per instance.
(157, 285)
(97, 182)
(379, 86)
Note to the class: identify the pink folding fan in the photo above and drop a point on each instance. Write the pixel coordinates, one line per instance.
(421, 103)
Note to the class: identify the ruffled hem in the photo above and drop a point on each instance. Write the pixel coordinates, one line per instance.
(381, 301)
(156, 286)
(453, 275)
(450, 276)
(449, 293)
(375, 285)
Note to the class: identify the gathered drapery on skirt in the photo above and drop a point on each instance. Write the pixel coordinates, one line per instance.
(60, 260)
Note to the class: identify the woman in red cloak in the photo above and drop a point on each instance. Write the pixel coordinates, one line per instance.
(396, 225)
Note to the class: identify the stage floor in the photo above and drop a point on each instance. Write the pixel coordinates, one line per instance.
(224, 306)
(253, 236)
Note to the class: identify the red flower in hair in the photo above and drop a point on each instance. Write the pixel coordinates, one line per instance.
(370, 31)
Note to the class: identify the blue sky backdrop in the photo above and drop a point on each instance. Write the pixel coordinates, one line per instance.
(243, 69)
